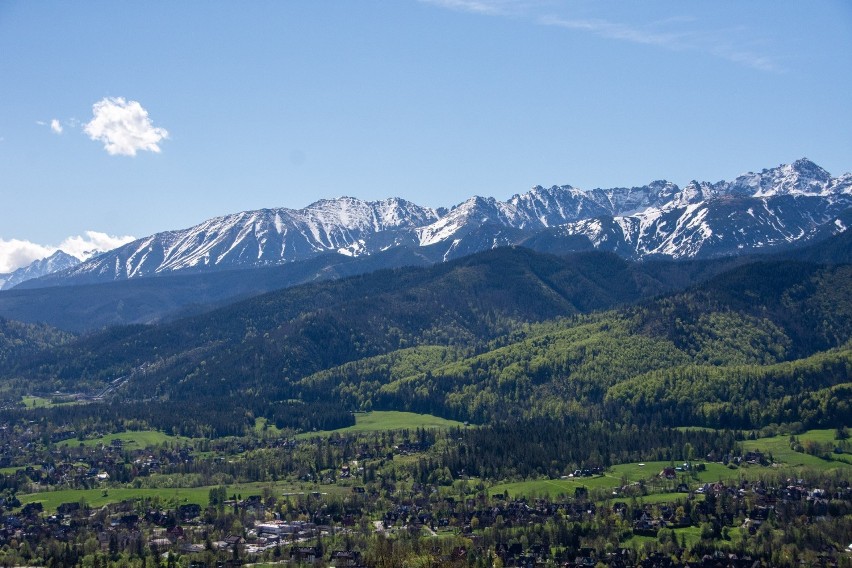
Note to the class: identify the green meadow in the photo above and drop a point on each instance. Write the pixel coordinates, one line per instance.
(132, 440)
(781, 450)
(648, 472)
(50, 500)
(689, 534)
(618, 475)
(379, 420)
(659, 490)
(42, 402)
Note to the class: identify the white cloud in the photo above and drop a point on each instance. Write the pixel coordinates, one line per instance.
(732, 45)
(487, 7)
(16, 253)
(712, 43)
(124, 127)
(84, 246)
(613, 30)
(55, 125)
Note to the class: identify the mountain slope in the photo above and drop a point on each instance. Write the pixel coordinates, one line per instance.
(495, 335)
(788, 205)
(19, 340)
(258, 238)
(56, 262)
(89, 307)
(785, 324)
(303, 329)
(719, 227)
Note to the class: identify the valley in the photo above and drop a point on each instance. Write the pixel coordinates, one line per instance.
(509, 407)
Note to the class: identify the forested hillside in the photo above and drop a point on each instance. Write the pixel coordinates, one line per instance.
(465, 302)
(18, 340)
(507, 334)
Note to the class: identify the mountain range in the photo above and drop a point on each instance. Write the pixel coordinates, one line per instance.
(776, 208)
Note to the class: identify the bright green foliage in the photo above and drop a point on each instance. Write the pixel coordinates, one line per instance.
(380, 420)
(743, 396)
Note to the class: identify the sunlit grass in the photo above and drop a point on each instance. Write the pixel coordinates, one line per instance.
(379, 420)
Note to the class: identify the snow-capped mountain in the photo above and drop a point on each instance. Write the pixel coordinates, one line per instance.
(802, 177)
(774, 208)
(265, 237)
(54, 263)
(782, 206)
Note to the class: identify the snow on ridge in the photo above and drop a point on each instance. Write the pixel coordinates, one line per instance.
(658, 218)
(58, 261)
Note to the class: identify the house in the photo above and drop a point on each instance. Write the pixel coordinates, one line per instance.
(68, 508)
(189, 511)
(175, 532)
(345, 558)
(160, 544)
(307, 554)
(188, 548)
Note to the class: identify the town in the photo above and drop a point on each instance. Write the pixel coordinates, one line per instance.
(355, 500)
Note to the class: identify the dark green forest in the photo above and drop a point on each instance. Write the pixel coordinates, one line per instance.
(507, 334)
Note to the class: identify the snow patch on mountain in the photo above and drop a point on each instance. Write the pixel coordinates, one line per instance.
(54, 263)
(779, 206)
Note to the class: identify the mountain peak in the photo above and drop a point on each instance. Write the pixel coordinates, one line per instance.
(59, 260)
(805, 163)
(805, 167)
(657, 218)
(802, 177)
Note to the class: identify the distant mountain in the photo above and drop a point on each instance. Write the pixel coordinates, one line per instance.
(251, 239)
(87, 307)
(775, 209)
(54, 263)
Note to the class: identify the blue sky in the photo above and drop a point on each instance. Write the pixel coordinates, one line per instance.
(236, 106)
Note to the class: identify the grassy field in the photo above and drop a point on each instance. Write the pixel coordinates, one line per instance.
(648, 472)
(545, 487)
(778, 446)
(690, 534)
(781, 451)
(262, 426)
(41, 402)
(389, 420)
(50, 500)
(656, 498)
(619, 474)
(132, 440)
(100, 497)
